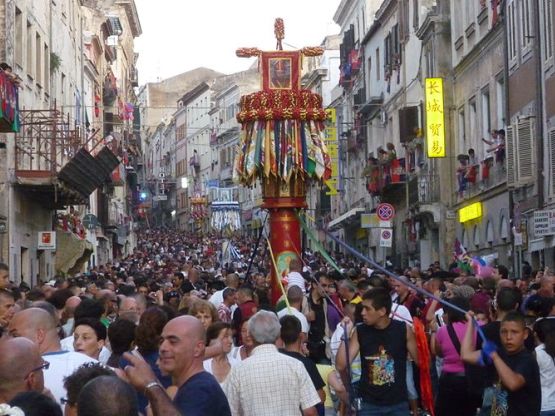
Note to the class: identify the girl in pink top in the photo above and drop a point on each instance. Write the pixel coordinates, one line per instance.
(453, 397)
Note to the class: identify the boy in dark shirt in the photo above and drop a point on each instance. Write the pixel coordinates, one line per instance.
(292, 338)
(518, 392)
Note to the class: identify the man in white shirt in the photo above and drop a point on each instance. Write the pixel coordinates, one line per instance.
(295, 278)
(269, 383)
(295, 298)
(231, 280)
(40, 327)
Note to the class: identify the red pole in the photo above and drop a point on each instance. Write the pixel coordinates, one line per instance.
(285, 236)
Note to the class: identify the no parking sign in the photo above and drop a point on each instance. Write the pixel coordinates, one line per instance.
(385, 212)
(386, 237)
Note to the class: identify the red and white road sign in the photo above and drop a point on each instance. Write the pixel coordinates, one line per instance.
(385, 212)
(386, 237)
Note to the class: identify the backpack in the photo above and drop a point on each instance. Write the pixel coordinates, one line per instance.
(474, 374)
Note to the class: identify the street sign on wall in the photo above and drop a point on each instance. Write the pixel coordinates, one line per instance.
(544, 223)
(47, 240)
(372, 221)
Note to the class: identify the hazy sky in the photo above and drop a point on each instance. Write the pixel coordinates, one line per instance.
(180, 35)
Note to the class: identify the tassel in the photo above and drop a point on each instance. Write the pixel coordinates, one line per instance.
(424, 360)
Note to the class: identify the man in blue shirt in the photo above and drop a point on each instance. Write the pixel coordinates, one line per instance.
(181, 356)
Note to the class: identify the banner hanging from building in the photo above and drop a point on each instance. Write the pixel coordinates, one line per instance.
(333, 151)
(435, 118)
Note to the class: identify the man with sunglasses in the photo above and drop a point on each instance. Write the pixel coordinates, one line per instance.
(21, 368)
(40, 327)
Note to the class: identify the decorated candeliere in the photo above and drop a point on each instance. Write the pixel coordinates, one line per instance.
(282, 145)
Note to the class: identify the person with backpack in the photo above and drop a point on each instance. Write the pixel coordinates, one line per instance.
(456, 396)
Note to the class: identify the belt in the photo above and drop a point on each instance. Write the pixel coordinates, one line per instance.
(454, 374)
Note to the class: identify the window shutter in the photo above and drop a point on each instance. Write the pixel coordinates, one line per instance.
(525, 155)
(552, 162)
(510, 159)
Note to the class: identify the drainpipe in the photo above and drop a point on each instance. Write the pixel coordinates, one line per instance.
(539, 102)
(506, 110)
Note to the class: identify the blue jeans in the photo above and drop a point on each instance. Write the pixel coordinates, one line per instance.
(547, 413)
(401, 409)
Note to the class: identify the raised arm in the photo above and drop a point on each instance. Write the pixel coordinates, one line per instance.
(468, 351)
(512, 380)
(354, 347)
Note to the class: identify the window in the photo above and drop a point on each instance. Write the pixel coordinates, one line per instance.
(63, 86)
(29, 63)
(547, 29)
(500, 98)
(378, 69)
(18, 37)
(46, 67)
(38, 59)
(457, 23)
(388, 46)
(489, 233)
(486, 117)
(369, 72)
(476, 237)
(526, 24)
(473, 129)
(415, 14)
(470, 13)
(512, 30)
(462, 131)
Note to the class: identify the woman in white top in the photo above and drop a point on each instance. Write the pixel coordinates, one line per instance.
(242, 352)
(220, 365)
(545, 355)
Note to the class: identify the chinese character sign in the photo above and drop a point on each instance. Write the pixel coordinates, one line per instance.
(435, 118)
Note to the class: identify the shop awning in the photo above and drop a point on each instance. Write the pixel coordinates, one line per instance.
(348, 216)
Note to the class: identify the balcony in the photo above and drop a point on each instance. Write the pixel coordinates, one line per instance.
(424, 188)
(52, 164)
(475, 179)
(382, 177)
(109, 90)
(134, 76)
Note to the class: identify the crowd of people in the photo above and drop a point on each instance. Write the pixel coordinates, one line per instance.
(173, 330)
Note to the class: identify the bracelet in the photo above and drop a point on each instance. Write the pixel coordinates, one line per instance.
(151, 385)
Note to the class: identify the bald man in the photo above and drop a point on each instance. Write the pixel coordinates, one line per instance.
(21, 368)
(181, 356)
(40, 327)
(68, 314)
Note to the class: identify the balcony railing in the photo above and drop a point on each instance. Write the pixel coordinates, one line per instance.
(428, 188)
(46, 142)
(479, 178)
(379, 177)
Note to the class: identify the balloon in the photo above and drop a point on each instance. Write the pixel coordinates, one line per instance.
(485, 271)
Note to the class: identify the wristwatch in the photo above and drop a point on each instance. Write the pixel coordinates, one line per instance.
(151, 385)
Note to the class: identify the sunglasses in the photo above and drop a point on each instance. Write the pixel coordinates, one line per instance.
(44, 366)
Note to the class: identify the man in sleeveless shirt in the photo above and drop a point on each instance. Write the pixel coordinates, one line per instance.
(383, 344)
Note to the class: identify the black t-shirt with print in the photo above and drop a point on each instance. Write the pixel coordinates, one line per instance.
(527, 400)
